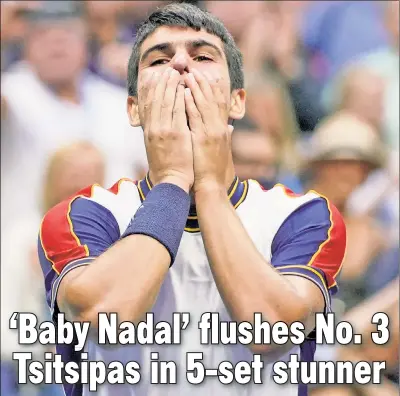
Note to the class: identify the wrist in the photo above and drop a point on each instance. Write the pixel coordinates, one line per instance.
(177, 181)
(162, 216)
(210, 188)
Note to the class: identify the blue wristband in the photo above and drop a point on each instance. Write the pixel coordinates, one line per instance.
(162, 216)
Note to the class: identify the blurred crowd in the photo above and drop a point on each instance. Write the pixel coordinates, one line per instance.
(322, 80)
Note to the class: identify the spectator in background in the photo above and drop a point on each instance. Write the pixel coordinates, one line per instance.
(51, 100)
(386, 301)
(270, 108)
(369, 84)
(238, 16)
(361, 92)
(13, 29)
(385, 63)
(254, 154)
(269, 40)
(68, 170)
(113, 27)
(289, 60)
(336, 32)
(368, 87)
(110, 40)
(343, 153)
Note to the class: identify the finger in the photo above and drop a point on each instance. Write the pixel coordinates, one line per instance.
(204, 84)
(196, 92)
(179, 119)
(144, 87)
(194, 116)
(147, 94)
(169, 98)
(219, 98)
(231, 128)
(158, 99)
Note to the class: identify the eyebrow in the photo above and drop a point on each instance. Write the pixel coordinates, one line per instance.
(168, 47)
(204, 43)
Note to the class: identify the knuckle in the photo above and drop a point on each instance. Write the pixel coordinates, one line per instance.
(214, 103)
(151, 133)
(173, 134)
(164, 130)
(150, 137)
(205, 110)
(196, 114)
(165, 106)
(206, 106)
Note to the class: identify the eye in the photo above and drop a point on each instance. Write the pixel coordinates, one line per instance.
(159, 62)
(202, 58)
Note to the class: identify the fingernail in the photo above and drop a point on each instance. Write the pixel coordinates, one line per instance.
(168, 70)
(190, 76)
(187, 92)
(174, 72)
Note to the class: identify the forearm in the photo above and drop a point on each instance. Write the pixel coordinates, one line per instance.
(125, 279)
(383, 301)
(246, 281)
(386, 387)
(387, 301)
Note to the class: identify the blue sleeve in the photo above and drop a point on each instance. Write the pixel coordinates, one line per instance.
(311, 243)
(73, 234)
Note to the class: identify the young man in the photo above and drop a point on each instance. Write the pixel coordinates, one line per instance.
(190, 237)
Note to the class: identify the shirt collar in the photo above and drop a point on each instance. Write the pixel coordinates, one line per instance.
(236, 193)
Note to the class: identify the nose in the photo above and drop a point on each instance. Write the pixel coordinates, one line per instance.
(180, 62)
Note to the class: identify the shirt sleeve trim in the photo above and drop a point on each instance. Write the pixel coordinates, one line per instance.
(312, 275)
(56, 284)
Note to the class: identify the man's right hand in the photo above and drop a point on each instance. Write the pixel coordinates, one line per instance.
(167, 136)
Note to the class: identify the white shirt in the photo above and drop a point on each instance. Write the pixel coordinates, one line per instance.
(38, 123)
(299, 235)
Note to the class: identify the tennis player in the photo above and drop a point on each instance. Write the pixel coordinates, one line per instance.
(190, 237)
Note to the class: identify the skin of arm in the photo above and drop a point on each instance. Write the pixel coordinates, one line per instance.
(125, 279)
(365, 241)
(386, 387)
(387, 301)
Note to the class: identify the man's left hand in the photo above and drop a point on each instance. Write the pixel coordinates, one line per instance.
(207, 111)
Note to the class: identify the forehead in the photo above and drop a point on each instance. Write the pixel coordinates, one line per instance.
(178, 36)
